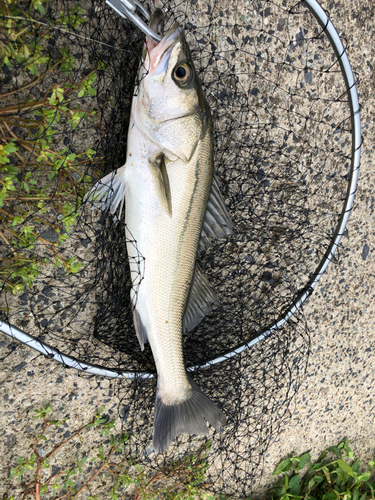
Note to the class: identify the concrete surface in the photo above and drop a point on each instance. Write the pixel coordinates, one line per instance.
(336, 399)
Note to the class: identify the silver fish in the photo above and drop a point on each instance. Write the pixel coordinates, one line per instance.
(173, 206)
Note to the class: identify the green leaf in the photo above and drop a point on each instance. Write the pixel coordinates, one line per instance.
(279, 492)
(345, 466)
(365, 476)
(342, 476)
(90, 153)
(329, 496)
(355, 466)
(138, 467)
(91, 78)
(355, 494)
(306, 457)
(294, 486)
(347, 448)
(11, 169)
(369, 485)
(13, 472)
(335, 450)
(286, 481)
(318, 479)
(317, 466)
(283, 466)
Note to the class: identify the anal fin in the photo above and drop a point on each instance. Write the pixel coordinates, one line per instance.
(140, 329)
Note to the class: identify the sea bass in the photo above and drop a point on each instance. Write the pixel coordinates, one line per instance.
(173, 206)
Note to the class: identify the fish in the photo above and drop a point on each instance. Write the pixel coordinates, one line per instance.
(173, 207)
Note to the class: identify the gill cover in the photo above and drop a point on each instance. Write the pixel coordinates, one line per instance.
(170, 108)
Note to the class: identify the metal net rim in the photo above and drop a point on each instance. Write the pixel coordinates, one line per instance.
(335, 41)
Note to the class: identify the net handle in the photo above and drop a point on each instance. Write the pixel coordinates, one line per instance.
(328, 28)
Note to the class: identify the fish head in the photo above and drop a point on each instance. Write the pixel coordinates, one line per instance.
(170, 107)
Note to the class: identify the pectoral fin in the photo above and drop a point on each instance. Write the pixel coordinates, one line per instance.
(160, 177)
(109, 192)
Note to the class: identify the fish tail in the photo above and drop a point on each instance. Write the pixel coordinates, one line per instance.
(187, 416)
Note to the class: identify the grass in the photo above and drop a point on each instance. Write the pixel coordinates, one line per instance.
(41, 182)
(109, 471)
(336, 475)
(105, 472)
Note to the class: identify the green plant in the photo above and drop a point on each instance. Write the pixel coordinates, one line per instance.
(18, 44)
(37, 176)
(336, 479)
(110, 472)
(106, 472)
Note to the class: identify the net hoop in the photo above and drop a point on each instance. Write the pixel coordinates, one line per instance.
(335, 41)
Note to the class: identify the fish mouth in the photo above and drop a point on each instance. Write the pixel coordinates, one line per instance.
(158, 53)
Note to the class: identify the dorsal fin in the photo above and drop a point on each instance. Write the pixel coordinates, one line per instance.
(200, 300)
(217, 223)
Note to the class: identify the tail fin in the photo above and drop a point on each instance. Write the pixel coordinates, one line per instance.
(188, 416)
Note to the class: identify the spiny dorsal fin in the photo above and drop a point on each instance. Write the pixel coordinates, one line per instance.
(159, 174)
(217, 223)
(200, 300)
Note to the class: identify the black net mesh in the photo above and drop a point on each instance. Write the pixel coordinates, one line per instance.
(282, 136)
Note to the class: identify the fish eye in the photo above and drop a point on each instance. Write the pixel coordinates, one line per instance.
(182, 74)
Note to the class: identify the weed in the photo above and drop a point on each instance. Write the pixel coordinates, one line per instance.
(120, 473)
(37, 177)
(106, 472)
(337, 479)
